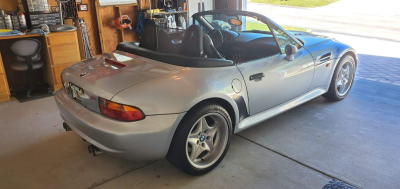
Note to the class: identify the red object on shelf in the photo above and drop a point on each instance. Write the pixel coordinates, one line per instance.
(123, 22)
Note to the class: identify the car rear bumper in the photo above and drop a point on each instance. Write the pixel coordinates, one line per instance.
(148, 139)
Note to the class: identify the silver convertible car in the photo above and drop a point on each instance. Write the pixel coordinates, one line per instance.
(182, 94)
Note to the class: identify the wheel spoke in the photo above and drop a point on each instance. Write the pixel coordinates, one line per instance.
(193, 141)
(196, 151)
(194, 134)
(339, 83)
(204, 125)
(345, 81)
(209, 145)
(212, 131)
(345, 71)
(343, 89)
(342, 72)
(340, 87)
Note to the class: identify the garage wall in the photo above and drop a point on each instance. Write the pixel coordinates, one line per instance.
(112, 36)
(9, 5)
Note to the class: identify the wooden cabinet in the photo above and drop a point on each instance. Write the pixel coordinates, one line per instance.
(59, 51)
(4, 91)
(62, 52)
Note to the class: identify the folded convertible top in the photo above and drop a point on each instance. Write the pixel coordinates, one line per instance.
(173, 59)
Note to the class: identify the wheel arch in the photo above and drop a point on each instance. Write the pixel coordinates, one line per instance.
(351, 53)
(227, 103)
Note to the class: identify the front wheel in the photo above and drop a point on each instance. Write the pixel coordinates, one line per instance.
(201, 139)
(342, 79)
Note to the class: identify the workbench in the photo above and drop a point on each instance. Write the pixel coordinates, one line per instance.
(59, 51)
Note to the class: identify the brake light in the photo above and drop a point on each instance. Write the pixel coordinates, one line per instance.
(119, 111)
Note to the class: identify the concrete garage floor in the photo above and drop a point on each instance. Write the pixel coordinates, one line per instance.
(355, 141)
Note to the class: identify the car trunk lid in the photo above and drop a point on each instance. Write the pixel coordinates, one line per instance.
(107, 74)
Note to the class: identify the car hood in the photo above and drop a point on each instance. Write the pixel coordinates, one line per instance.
(309, 39)
(107, 74)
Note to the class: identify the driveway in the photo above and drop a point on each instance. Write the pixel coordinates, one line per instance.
(364, 18)
(371, 27)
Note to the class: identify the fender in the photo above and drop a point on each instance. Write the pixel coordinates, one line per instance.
(229, 99)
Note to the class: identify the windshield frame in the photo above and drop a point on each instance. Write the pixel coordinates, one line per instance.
(199, 17)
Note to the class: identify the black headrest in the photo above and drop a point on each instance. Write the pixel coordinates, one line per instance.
(149, 36)
(209, 48)
(165, 44)
(192, 42)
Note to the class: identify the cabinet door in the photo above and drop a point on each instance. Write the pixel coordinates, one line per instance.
(65, 54)
(1, 65)
(67, 38)
(3, 85)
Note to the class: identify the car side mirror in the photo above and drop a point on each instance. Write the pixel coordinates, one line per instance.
(290, 51)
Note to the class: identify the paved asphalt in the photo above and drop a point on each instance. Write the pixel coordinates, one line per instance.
(373, 29)
(363, 18)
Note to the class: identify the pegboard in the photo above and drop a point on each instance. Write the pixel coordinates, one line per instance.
(69, 9)
(9, 5)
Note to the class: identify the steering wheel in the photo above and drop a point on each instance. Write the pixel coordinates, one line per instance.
(217, 38)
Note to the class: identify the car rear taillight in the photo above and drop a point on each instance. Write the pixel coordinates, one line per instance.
(119, 111)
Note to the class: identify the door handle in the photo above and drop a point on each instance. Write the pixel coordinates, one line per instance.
(258, 76)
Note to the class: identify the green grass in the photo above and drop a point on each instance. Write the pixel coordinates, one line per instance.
(263, 27)
(293, 28)
(256, 26)
(297, 3)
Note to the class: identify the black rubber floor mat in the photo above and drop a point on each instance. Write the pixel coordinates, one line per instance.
(335, 184)
(34, 96)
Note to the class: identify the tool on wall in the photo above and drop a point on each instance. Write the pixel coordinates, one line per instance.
(123, 22)
(140, 22)
(2, 12)
(83, 38)
(69, 9)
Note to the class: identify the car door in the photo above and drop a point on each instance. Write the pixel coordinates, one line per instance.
(274, 80)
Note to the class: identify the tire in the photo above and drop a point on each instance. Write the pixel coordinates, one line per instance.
(335, 92)
(210, 145)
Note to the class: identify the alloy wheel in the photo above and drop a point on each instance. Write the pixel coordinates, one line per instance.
(207, 140)
(345, 78)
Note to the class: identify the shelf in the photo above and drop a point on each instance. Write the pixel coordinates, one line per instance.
(166, 13)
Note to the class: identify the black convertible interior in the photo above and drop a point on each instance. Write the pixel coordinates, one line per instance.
(202, 46)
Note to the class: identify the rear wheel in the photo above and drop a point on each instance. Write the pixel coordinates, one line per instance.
(201, 139)
(342, 79)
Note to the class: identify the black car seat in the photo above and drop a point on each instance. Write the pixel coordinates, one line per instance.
(192, 42)
(149, 37)
(209, 48)
(165, 44)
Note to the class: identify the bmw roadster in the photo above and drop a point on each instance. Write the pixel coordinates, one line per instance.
(183, 95)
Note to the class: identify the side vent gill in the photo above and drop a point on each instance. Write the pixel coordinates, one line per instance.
(323, 58)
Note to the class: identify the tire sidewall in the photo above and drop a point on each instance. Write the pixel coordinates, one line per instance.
(185, 127)
(332, 89)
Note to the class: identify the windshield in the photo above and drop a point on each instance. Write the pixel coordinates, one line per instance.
(249, 24)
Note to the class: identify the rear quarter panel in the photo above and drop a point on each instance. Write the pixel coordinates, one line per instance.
(180, 91)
